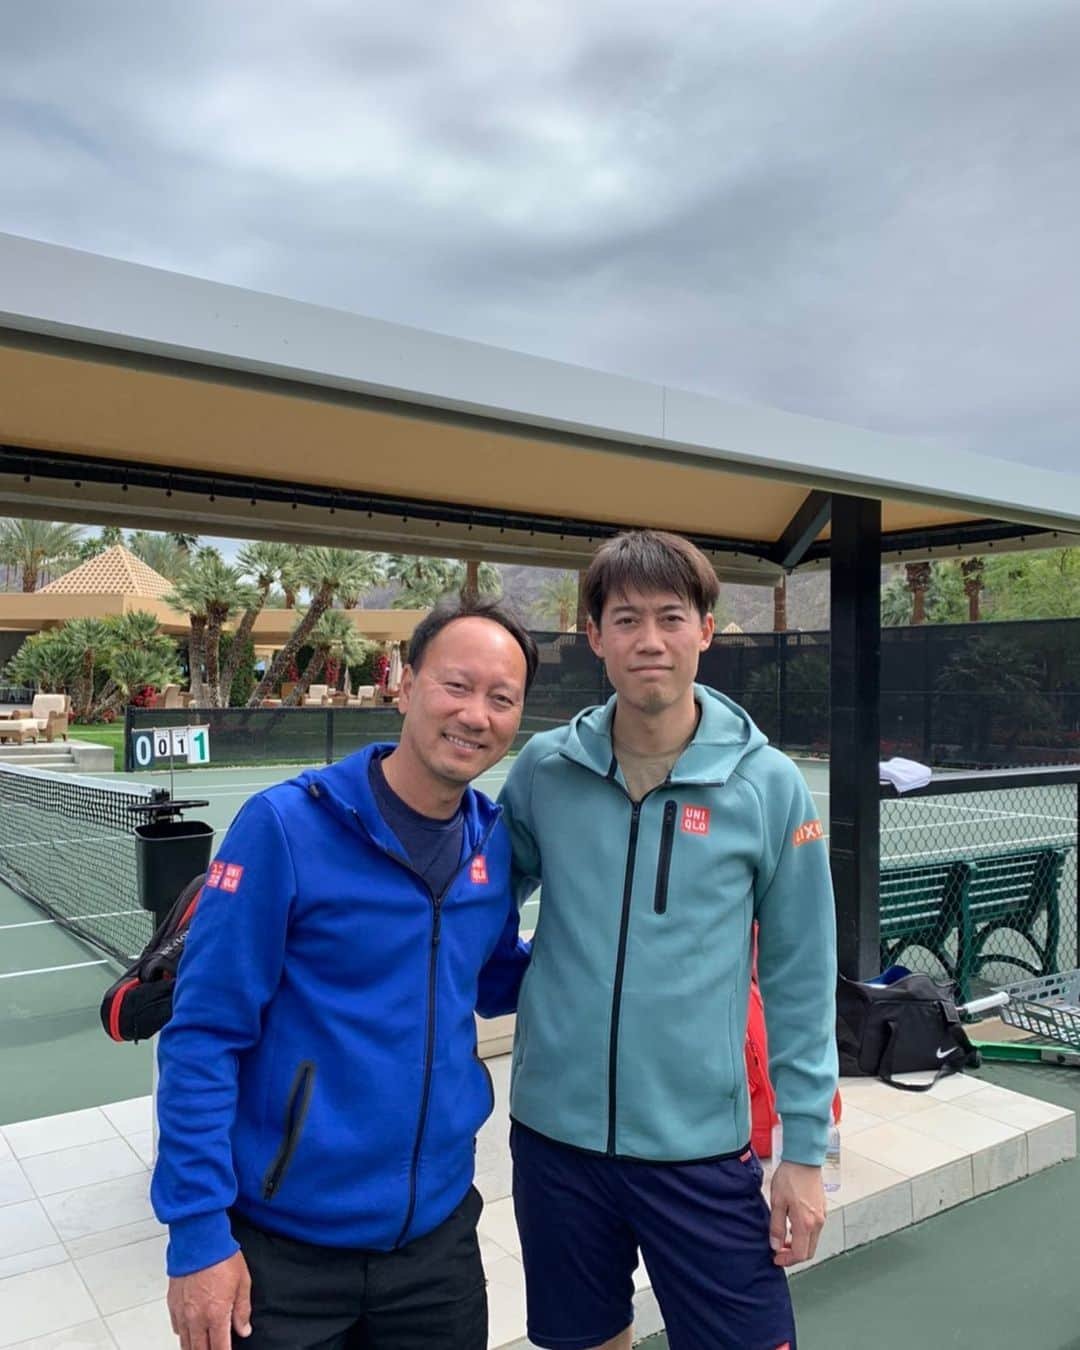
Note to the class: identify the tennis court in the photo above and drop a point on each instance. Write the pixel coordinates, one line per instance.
(78, 856)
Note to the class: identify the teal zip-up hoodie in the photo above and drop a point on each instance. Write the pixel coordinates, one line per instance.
(632, 1015)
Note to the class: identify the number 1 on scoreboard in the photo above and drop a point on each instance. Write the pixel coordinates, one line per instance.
(199, 746)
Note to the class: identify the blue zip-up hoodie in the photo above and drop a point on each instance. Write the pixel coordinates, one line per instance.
(319, 1071)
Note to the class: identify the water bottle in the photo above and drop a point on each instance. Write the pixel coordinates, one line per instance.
(831, 1171)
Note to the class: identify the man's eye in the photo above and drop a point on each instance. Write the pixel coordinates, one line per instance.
(455, 686)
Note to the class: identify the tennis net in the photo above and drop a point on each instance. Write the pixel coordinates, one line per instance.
(66, 845)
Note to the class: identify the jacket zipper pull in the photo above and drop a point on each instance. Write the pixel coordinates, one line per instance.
(436, 932)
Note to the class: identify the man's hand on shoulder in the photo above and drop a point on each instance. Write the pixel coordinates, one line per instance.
(797, 1200)
(207, 1305)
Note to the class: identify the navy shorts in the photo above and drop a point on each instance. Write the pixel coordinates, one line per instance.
(702, 1228)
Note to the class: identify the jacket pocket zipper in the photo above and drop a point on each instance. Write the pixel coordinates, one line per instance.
(296, 1110)
(667, 839)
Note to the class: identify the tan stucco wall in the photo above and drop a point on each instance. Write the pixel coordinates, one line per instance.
(31, 612)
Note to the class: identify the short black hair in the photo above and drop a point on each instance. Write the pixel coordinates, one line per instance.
(649, 560)
(473, 607)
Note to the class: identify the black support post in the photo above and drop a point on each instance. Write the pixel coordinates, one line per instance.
(855, 680)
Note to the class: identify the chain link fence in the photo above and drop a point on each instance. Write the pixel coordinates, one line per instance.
(979, 877)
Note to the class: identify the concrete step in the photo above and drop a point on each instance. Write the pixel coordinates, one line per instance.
(45, 757)
(42, 762)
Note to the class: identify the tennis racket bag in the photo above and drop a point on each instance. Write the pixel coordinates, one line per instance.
(139, 1004)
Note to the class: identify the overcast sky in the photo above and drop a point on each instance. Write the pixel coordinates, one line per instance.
(860, 210)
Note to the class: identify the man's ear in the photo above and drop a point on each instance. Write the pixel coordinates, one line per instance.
(408, 679)
(708, 628)
(596, 642)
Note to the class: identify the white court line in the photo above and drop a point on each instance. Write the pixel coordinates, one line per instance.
(960, 849)
(49, 970)
(74, 918)
(66, 841)
(990, 814)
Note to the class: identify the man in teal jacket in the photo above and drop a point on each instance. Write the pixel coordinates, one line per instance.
(662, 826)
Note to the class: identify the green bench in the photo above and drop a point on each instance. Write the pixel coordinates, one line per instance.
(925, 904)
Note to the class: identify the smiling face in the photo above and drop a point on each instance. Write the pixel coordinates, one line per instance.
(463, 704)
(650, 644)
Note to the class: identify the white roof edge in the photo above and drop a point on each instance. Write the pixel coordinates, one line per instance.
(65, 293)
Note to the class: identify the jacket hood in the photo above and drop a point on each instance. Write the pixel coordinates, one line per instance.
(345, 790)
(725, 735)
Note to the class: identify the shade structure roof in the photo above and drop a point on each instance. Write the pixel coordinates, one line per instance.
(151, 399)
(117, 571)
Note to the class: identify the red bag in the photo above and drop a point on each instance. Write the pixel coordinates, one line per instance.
(762, 1096)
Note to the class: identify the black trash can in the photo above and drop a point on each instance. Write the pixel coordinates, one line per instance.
(168, 853)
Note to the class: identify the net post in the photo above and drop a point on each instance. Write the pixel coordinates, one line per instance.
(329, 735)
(129, 754)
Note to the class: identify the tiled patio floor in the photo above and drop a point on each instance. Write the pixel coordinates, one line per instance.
(82, 1257)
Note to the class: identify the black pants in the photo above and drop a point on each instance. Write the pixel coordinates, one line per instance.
(427, 1295)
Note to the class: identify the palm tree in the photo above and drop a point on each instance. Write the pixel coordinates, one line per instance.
(136, 635)
(334, 635)
(94, 545)
(263, 563)
(224, 591)
(424, 581)
(188, 595)
(91, 640)
(31, 545)
(326, 572)
(44, 661)
(558, 600)
(372, 574)
(160, 552)
(186, 543)
(133, 669)
(289, 578)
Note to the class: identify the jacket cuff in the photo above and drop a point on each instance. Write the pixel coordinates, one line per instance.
(805, 1140)
(199, 1241)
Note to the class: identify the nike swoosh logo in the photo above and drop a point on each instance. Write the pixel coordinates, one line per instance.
(944, 1054)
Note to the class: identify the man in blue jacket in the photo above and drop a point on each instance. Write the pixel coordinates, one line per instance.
(320, 1089)
(662, 826)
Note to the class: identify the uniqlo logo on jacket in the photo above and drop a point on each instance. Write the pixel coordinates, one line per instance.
(478, 871)
(217, 871)
(231, 880)
(806, 834)
(695, 819)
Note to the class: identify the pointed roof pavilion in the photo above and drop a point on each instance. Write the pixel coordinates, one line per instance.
(117, 571)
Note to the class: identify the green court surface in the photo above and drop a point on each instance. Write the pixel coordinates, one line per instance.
(997, 1273)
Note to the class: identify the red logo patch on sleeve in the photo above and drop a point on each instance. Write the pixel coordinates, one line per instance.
(806, 834)
(478, 871)
(695, 819)
(231, 880)
(217, 871)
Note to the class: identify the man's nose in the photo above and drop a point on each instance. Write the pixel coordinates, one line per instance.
(650, 637)
(473, 713)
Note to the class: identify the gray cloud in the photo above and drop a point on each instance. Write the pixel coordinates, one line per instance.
(860, 212)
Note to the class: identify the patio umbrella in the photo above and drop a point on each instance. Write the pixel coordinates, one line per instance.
(393, 678)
